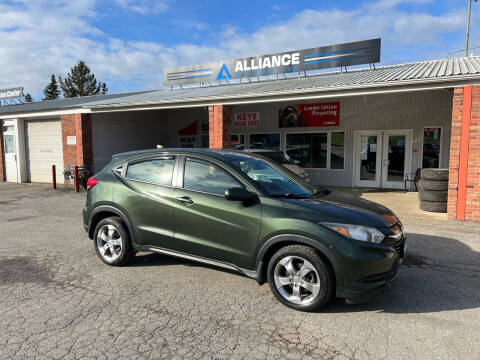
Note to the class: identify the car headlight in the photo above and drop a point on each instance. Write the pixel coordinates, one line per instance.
(357, 232)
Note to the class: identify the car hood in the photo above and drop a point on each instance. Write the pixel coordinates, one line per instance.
(338, 207)
(294, 168)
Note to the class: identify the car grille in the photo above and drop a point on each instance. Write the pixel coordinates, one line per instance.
(399, 247)
(397, 241)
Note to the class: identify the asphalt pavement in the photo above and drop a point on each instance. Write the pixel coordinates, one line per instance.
(59, 301)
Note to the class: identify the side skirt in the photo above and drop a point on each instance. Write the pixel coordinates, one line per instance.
(250, 273)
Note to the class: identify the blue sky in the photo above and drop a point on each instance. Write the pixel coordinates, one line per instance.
(127, 43)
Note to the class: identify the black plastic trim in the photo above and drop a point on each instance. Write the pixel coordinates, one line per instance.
(108, 208)
(286, 238)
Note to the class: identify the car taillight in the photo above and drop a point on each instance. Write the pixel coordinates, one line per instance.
(91, 183)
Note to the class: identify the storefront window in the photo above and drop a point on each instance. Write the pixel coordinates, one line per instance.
(431, 147)
(337, 153)
(264, 141)
(237, 142)
(309, 149)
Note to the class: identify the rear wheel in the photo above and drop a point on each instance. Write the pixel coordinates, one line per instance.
(112, 243)
(299, 278)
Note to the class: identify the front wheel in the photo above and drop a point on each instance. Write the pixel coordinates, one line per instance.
(299, 278)
(112, 243)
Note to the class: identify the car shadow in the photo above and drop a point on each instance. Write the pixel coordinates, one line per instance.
(439, 274)
(156, 259)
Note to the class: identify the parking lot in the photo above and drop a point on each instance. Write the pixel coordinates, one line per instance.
(58, 300)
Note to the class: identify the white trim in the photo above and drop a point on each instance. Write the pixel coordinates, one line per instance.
(329, 144)
(40, 114)
(441, 146)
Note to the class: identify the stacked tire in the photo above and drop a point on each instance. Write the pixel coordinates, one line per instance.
(433, 190)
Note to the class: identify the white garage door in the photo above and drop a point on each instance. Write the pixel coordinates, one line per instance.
(43, 143)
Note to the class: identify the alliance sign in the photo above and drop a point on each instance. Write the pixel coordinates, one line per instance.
(355, 53)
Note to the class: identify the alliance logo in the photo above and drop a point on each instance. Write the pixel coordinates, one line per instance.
(224, 73)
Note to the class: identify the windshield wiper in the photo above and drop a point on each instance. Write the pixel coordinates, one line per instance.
(289, 196)
(320, 191)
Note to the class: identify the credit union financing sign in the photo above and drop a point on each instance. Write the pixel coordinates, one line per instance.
(11, 93)
(355, 53)
(310, 115)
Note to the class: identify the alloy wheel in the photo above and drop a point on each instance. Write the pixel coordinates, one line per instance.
(296, 280)
(109, 242)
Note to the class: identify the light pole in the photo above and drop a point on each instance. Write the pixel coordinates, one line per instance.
(469, 10)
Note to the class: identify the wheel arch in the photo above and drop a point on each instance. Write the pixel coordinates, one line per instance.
(104, 211)
(275, 243)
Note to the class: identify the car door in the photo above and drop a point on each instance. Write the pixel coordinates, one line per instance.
(207, 224)
(147, 195)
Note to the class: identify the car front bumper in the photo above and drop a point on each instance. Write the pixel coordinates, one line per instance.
(373, 276)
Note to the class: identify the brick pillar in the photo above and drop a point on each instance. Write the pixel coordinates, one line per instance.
(80, 126)
(464, 178)
(220, 126)
(2, 156)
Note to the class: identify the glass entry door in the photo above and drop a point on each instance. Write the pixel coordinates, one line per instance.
(368, 149)
(382, 158)
(396, 159)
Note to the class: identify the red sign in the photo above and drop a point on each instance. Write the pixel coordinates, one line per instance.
(246, 119)
(310, 115)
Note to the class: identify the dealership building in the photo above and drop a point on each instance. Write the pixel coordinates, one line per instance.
(365, 127)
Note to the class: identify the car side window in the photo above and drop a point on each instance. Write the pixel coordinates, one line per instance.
(157, 171)
(207, 178)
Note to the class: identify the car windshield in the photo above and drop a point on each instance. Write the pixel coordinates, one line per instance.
(277, 156)
(269, 178)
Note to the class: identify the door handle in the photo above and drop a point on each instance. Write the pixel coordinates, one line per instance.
(184, 200)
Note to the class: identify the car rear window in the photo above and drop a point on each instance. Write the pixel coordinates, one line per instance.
(157, 171)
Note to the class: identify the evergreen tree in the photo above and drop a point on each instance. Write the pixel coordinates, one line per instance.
(28, 98)
(104, 88)
(81, 82)
(51, 91)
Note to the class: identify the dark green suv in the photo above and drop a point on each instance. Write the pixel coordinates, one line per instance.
(244, 212)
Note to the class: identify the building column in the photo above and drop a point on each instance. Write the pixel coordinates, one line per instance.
(464, 177)
(219, 126)
(78, 126)
(2, 155)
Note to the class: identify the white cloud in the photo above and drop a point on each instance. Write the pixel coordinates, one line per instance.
(44, 37)
(143, 7)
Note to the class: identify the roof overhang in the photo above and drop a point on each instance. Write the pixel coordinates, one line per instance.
(44, 114)
(260, 97)
(299, 95)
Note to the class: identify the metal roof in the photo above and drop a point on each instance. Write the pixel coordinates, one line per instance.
(448, 72)
(60, 104)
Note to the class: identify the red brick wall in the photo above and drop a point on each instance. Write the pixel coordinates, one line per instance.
(464, 202)
(2, 157)
(79, 125)
(220, 126)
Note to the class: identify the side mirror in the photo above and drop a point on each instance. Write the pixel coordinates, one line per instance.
(240, 194)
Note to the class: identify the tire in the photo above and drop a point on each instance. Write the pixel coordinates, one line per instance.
(112, 232)
(435, 174)
(429, 195)
(433, 185)
(310, 272)
(434, 206)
